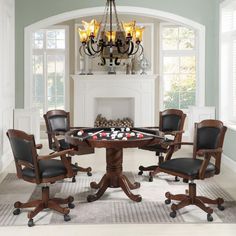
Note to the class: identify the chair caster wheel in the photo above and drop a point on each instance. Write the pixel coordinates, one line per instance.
(89, 174)
(71, 205)
(150, 179)
(140, 172)
(66, 217)
(16, 211)
(167, 201)
(31, 223)
(173, 214)
(209, 217)
(73, 180)
(177, 179)
(221, 208)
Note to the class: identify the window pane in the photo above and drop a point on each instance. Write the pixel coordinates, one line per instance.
(186, 44)
(38, 40)
(171, 100)
(187, 99)
(170, 32)
(171, 64)
(56, 39)
(39, 103)
(170, 44)
(38, 84)
(187, 65)
(186, 33)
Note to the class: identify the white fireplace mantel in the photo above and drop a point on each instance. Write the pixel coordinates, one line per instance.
(89, 88)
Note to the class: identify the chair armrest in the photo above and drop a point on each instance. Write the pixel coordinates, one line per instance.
(56, 154)
(39, 146)
(174, 133)
(203, 152)
(180, 143)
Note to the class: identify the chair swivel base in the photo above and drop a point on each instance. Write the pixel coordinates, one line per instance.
(153, 170)
(192, 199)
(82, 169)
(46, 202)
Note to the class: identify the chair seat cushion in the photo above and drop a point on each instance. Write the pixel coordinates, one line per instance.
(186, 166)
(48, 169)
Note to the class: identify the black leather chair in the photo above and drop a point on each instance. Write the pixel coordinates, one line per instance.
(171, 123)
(40, 170)
(208, 142)
(58, 123)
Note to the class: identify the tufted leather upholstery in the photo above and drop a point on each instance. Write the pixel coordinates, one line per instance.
(187, 166)
(48, 169)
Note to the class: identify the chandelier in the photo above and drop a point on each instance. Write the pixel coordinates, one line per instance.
(110, 39)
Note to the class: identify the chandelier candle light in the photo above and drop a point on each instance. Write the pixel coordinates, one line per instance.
(110, 40)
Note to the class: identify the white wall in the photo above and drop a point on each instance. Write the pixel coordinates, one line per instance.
(7, 77)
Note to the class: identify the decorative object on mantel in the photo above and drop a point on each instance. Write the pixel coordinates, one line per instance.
(144, 65)
(103, 122)
(110, 39)
(82, 65)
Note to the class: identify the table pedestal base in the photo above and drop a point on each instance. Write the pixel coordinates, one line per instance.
(114, 178)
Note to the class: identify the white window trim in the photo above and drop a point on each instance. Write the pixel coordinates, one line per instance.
(200, 68)
(225, 119)
(28, 101)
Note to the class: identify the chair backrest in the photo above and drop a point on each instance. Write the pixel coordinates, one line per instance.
(56, 121)
(209, 134)
(24, 151)
(171, 120)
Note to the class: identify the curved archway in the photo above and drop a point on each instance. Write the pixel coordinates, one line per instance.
(139, 11)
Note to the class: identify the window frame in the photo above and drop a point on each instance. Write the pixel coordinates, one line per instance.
(59, 51)
(200, 69)
(226, 80)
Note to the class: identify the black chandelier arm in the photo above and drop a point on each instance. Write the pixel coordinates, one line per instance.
(117, 63)
(138, 47)
(103, 61)
(91, 48)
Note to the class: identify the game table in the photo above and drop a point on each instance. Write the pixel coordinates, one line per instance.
(114, 140)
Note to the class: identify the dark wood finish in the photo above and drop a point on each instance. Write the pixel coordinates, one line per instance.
(46, 201)
(53, 135)
(114, 177)
(177, 137)
(191, 198)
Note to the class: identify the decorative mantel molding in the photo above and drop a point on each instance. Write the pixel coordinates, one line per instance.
(87, 89)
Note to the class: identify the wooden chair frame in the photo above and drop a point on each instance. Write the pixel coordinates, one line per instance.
(46, 201)
(177, 137)
(191, 197)
(53, 137)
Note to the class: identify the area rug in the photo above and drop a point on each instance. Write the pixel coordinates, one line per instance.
(114, 206)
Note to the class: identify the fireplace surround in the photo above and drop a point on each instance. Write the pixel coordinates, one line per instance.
(137, 90)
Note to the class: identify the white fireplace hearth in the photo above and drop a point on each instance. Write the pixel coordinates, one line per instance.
(114, 96)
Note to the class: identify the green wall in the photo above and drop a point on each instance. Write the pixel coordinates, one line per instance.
(205, 12)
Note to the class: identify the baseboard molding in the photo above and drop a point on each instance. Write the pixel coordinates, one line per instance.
(229, 162)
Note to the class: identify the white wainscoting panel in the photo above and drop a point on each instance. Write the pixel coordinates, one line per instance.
(28, 120)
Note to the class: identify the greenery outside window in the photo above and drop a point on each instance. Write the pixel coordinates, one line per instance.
(178, 66)
(49, 70)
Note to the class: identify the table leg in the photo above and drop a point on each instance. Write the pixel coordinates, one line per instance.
(114, 177)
